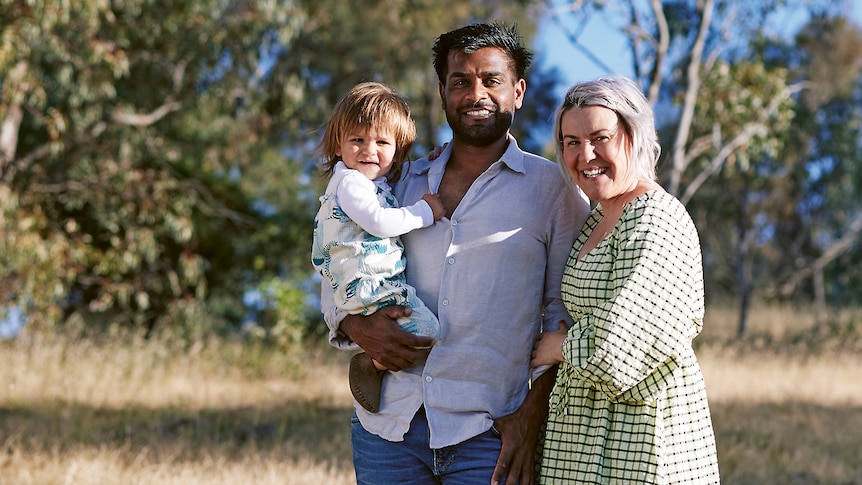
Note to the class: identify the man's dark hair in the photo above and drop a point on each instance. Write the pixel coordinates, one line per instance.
(471, 38)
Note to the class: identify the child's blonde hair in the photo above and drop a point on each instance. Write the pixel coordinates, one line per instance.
(366, 105)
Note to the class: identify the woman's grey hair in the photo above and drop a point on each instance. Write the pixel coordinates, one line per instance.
(621, 95)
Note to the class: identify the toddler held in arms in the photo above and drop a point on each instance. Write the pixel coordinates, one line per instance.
(357, 246)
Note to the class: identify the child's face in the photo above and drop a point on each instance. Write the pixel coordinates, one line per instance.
(371, 152)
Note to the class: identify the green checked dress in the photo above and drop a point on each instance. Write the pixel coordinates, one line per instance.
(629, 404)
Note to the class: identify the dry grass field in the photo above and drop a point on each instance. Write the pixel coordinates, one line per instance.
(786, 402)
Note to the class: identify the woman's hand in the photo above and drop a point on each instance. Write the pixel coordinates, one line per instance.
(548, 349)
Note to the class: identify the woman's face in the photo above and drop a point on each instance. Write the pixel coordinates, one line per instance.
(594, 151)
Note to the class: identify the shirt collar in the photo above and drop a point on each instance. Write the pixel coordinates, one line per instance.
(513, 158)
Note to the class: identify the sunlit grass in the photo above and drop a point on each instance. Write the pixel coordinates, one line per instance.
(786, 400)
(132, 411)
(120, 409)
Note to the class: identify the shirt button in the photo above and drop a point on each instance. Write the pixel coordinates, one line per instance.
(451, 260)
(445, 302)
(428, 379)
(454, 222)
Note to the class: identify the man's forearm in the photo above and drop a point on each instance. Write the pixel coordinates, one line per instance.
(345, 326)
(536, 403)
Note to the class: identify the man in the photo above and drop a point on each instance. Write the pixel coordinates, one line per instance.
(465, 411)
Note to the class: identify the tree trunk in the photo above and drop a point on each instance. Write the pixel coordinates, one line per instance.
(819, 296)
(744, 287)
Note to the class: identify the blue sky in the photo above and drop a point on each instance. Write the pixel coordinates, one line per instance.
(605, 41)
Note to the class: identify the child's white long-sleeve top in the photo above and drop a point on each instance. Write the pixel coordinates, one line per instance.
(356, 243)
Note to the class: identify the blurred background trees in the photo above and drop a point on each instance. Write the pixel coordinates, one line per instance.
(131, 139)
(157, 156)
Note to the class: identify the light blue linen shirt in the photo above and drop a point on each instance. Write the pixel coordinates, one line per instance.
(492, 275)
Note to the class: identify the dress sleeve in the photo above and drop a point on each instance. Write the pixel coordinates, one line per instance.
(357, 197)
(630, 345)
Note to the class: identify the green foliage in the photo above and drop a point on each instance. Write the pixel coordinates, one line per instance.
(285, 319)
(828, 130)
(772, 122)
(129, 127)
(746, 106)
(732, 99)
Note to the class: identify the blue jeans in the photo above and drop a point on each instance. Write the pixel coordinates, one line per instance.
(380, 462)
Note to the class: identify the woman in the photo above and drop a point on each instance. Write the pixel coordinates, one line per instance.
(629, 403)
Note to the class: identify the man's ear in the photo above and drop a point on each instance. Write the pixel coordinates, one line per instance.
(442, 90)
(520, 89)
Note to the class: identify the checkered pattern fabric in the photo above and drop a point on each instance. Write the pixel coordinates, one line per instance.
(629, 405)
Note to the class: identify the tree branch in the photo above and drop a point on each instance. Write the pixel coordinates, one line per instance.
(15, 81)
(140, 120)
(661, 48)
(9, 136)
(831, 253)
(572, 37)
(693, 74)
(749, 131)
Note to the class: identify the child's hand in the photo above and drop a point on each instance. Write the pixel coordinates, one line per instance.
(548, 349)
(436, 205)
(437, 151)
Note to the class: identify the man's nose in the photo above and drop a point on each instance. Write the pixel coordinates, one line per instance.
(478, 92)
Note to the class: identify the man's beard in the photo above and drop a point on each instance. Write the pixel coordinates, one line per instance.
(480, 135)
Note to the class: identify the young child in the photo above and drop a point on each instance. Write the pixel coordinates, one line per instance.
(356, 246)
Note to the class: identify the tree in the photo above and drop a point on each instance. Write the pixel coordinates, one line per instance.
(827, 132)
(127, 126)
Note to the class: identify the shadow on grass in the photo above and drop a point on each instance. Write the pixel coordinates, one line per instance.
(788, 443)
(292, 431)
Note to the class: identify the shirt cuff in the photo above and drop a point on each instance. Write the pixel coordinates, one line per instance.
(425, 213)
(537, 372)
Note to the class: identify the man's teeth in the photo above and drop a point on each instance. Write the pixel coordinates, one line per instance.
(481, 112)
(594, 172)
